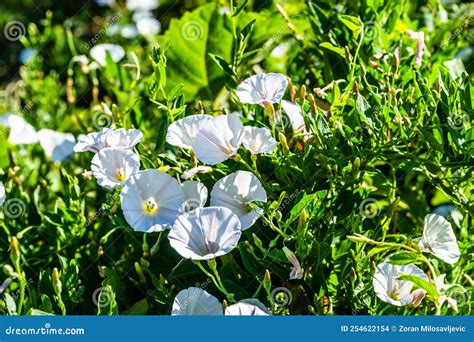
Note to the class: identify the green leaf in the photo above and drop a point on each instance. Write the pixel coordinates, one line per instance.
(139, 308)
(421, 283)
(11, 305)
(352, 23)
(402, 258)
(192, 38)
(329, 46)
(36, 312)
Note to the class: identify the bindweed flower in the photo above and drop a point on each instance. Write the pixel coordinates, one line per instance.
(195, 195)
(57, 146)
(21, 132)
(92, 142)
(99, 53)
(258, 140)
(196, 170)
(247, 307)
(148, 26)
(114, 166)
(124, 138)
(439, 239)
(392, 290)
(2, 193)
(235, 192)
(417, 297)
(195, 301)
(182, 132)
(142, 5)
(420, 44)
(294, 113)
(151, 200)
(205, 233)
(219, 139)
(262, 89)
(297, 271)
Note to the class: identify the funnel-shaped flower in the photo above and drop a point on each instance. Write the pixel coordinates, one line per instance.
(195, 301)
(114, 166)
(182, 132)
(57, 146)
(99, 53)
(262, 89)
(235, 192)
(247, 307)
(21, 132)
(219, 139)
(195, 195)
(258, 140)
(439, 239)
(392, 290)
(151, 200)
(205, 233)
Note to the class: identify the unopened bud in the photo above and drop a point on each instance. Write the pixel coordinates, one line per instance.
(417, 297)
(56, 281)
(14, 250)
(356, 165)
(257, 241)
(267, 280)
(293, 92)
(164, 168)
(284, 143)
(8, 269)
(302, 218)
(303, 92)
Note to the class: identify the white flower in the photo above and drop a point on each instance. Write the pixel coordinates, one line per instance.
(219, 139)
(57, 146)
(392, 290)
(92, 142)
(142, 5)
(420, 44)
(262, 89)
(148, 26)
(98, 53)
(195, 170)
(247, 307)
(123, 138)
(205, 233)
(183, 132)
(194, 301)
(21, 132)
(297, 271)
(195, 195)
(294, 113)
(129, 31)
(2, 193)
(235, 192)
(151, 200)
(113, 166)
(439, 239)
(258, 140)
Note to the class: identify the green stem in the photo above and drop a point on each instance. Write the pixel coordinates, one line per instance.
(217, 282)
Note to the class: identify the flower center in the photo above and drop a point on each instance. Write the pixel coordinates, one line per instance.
(120, 175)
(150, 207)
(394, 295)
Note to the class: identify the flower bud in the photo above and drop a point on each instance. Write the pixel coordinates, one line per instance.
(56, 281)
(417, 297)
(267, 280)
(284, 143)
(356, 166)
(257, 241)
(14, 250)
(9, 271)
(302, 218)
(303, 92)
